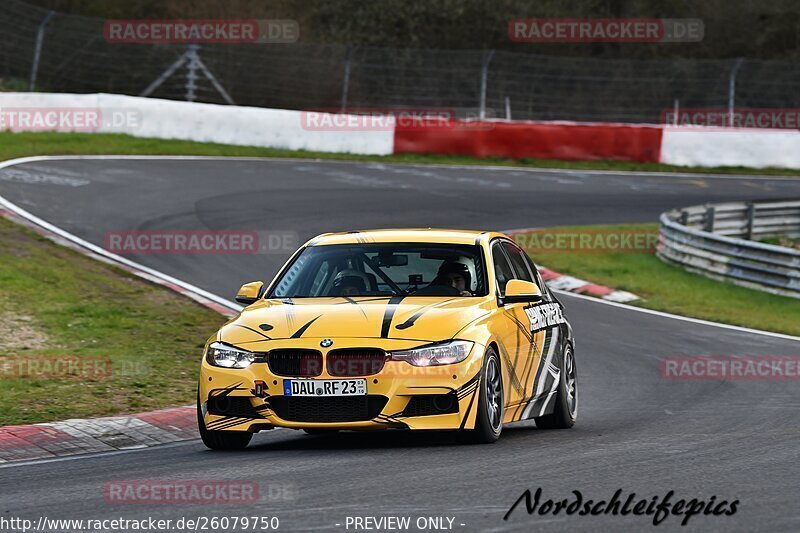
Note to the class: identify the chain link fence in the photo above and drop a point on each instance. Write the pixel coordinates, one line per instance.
(47, 51)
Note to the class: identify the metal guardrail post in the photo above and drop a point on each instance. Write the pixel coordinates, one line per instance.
(751, 215)
(708, 221)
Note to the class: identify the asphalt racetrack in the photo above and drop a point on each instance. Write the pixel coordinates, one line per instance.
(736, 440)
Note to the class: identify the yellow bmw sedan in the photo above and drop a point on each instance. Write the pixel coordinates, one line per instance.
(417, 329)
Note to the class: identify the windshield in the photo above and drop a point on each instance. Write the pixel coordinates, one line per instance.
(351, 270)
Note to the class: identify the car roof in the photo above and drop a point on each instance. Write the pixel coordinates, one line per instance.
(406, 235)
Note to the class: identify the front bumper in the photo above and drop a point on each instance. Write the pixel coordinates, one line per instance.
(399, 396)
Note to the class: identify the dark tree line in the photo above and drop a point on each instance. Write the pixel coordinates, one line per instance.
(744, 28)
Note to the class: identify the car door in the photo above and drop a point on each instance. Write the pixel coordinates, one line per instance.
(546, 321)
(531, 360)
(514, 335)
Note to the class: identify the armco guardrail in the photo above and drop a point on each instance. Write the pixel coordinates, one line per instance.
(714, 240)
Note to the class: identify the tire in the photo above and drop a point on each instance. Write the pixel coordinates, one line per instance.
(489, 421)
(565, 411)
(221, 440)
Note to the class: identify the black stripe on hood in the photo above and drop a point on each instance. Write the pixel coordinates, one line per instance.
(391, 307)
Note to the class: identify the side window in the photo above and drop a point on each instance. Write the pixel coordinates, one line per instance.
(517, 258)
(502, 269)
(538, 278)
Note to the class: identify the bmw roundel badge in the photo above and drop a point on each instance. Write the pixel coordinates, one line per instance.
(326, 343)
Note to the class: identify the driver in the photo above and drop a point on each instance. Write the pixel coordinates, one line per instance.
(455, 275)
(348, 286)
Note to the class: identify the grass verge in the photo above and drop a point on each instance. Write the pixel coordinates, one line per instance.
(138, 343)
(14, 145)
(666, 287)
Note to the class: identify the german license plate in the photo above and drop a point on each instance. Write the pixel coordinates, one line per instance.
(324, 387)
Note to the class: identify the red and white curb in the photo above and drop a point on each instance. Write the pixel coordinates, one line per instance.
(79, 436)
(564, 283)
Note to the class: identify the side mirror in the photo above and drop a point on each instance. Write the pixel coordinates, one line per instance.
(518, 290)
(250, 292)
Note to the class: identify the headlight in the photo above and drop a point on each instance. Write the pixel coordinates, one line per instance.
(219, 354)
(435, 354)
